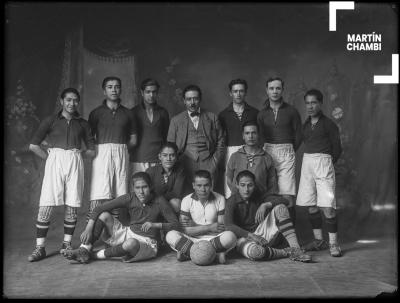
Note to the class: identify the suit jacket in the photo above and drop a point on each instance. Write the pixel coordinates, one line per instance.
(178, 132)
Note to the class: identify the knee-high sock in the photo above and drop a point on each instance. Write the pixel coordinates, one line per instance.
(183, 245)
(285, 225)
(316, 224)
(92, 205)
(42, 224)
(331, 226)
(115, 251)
(216, 242)
(69, 222)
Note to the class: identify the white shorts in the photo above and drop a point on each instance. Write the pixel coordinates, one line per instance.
(63, 178)
(317, 181)
(140, 166)
(148, 247)
(284, 159)
(109, 172)
(268, 229)
(229, 151)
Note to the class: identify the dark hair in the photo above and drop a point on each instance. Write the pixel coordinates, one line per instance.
(316, 93)
(238, 81)
(191, 88)
(110, 78)
(70, 90)
(274, 79)
(144, 176)
(250, 123)
(169, 145)
(202, 174)
(245, 173)
(149, 82)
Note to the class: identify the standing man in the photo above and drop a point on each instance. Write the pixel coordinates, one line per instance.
(232, 118)
(64, 171)
(202, 218)
(114, 129)
(198, 135)
(280, 129)
(152, 127)
(136, 242)
(257, 219)
(253, 158)
(317, 181)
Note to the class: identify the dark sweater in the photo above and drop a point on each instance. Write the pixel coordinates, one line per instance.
(240, 215)
(324, 138)
(233, 126)
(175, 185)
(153, 211)
(150, 135)
(286, 128)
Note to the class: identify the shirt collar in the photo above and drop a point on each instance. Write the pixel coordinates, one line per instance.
(253, 198)
(199, 110)
(76, 115)
(320, 116)
(149, 200)
(268, 106)
(246, 106)
(155, 106)
(105, 104)
(260, 152)
(211, 197)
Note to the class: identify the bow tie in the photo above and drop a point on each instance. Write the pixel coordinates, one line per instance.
(194, 114)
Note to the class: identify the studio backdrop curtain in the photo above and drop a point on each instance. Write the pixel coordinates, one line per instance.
(85, 70)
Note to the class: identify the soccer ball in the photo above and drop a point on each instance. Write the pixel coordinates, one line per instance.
(202, 253)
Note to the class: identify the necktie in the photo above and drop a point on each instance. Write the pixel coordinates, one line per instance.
(194, 114)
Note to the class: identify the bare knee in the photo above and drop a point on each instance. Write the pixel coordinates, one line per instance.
(130, 244)
(228, 239)
(105, 217)
(172, 237)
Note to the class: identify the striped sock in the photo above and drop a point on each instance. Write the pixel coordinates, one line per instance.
(97, 230)
(274, 253)
(183, 245)
(216, 242)
(92, 205)
(331, 224)
(69, 228)
(115, 251)
(287, 230)
(41, 232)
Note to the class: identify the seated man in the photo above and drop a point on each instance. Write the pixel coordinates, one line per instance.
(202, 218)
(136, 242)
(257, 220)
(168, 177)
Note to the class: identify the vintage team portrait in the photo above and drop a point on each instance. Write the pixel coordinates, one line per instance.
(200, 150)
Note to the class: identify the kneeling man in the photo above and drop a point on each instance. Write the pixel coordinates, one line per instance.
(136, 242)
(202, 218)
(258, 219)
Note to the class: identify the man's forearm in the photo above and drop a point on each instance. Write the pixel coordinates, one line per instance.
(197, 230)
(38, 151)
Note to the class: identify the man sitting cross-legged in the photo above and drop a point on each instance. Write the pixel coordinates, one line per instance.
(258, 219)
(202, 218)
(136, 242)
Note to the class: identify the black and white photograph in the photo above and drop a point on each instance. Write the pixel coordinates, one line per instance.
(181, 150)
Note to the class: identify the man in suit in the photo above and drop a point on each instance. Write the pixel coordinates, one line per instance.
(198, 135)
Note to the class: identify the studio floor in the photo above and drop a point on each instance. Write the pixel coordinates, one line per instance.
(367, 269)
